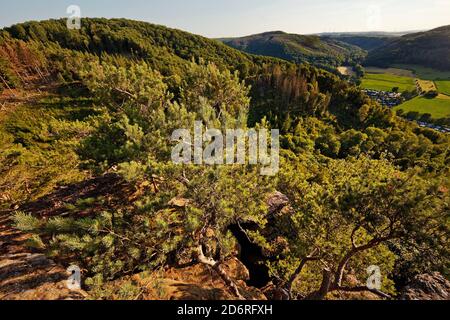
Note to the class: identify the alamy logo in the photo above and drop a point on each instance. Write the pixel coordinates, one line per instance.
(236, 146)
(74, 280)
(74, 20)
(374, 280)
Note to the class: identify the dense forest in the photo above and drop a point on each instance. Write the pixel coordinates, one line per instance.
(323, 52)
(358, 186)
(367, 41)
(428, 49)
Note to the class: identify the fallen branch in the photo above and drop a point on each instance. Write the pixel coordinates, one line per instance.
(216, 267)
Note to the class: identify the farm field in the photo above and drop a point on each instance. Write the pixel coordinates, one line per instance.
(443, 87)
(426, 73)
(386, 82)
(438, 107)
(392, 71)
(426, 85)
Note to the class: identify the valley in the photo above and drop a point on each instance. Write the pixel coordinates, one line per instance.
(383, 70)
(432, 105)
(387, 82)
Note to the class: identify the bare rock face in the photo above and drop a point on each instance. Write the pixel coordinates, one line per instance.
(427, 287)
(236, 270)
(275, 293)
(197, 282)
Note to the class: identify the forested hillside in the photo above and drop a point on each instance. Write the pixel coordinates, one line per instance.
(427, 49)
(167, 49)
(321, 52)
(366, 42)
(86, 173)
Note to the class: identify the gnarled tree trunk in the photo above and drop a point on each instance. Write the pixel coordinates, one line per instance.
(324, 287)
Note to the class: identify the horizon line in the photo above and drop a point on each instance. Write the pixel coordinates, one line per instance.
(404, 32)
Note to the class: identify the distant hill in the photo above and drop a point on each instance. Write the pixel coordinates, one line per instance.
(428, 49)
(166, 49)
(369, 34)
(365, 40)
(298, 48)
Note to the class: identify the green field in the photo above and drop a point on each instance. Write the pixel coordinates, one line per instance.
(425, 73)
(393, 71)
(386, 82)
(443, 87)
(438, 107)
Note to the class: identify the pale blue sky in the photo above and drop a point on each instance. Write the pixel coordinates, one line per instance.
(219, 18)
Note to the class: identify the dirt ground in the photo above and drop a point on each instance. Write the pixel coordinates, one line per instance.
(26, 274)
(346, 71)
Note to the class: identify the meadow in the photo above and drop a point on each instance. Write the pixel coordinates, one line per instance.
(386, 82)
(443, 87)
(393, 71)
(438, 107)
(426, 73)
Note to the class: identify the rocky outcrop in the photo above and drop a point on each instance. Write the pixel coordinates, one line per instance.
(197, 282)
(277, 202)
(427, 287)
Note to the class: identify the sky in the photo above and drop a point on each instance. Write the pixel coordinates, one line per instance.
(226, 18)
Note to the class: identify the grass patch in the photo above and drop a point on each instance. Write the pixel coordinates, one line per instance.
(443, 87)
(438, 107)
(386, 82)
